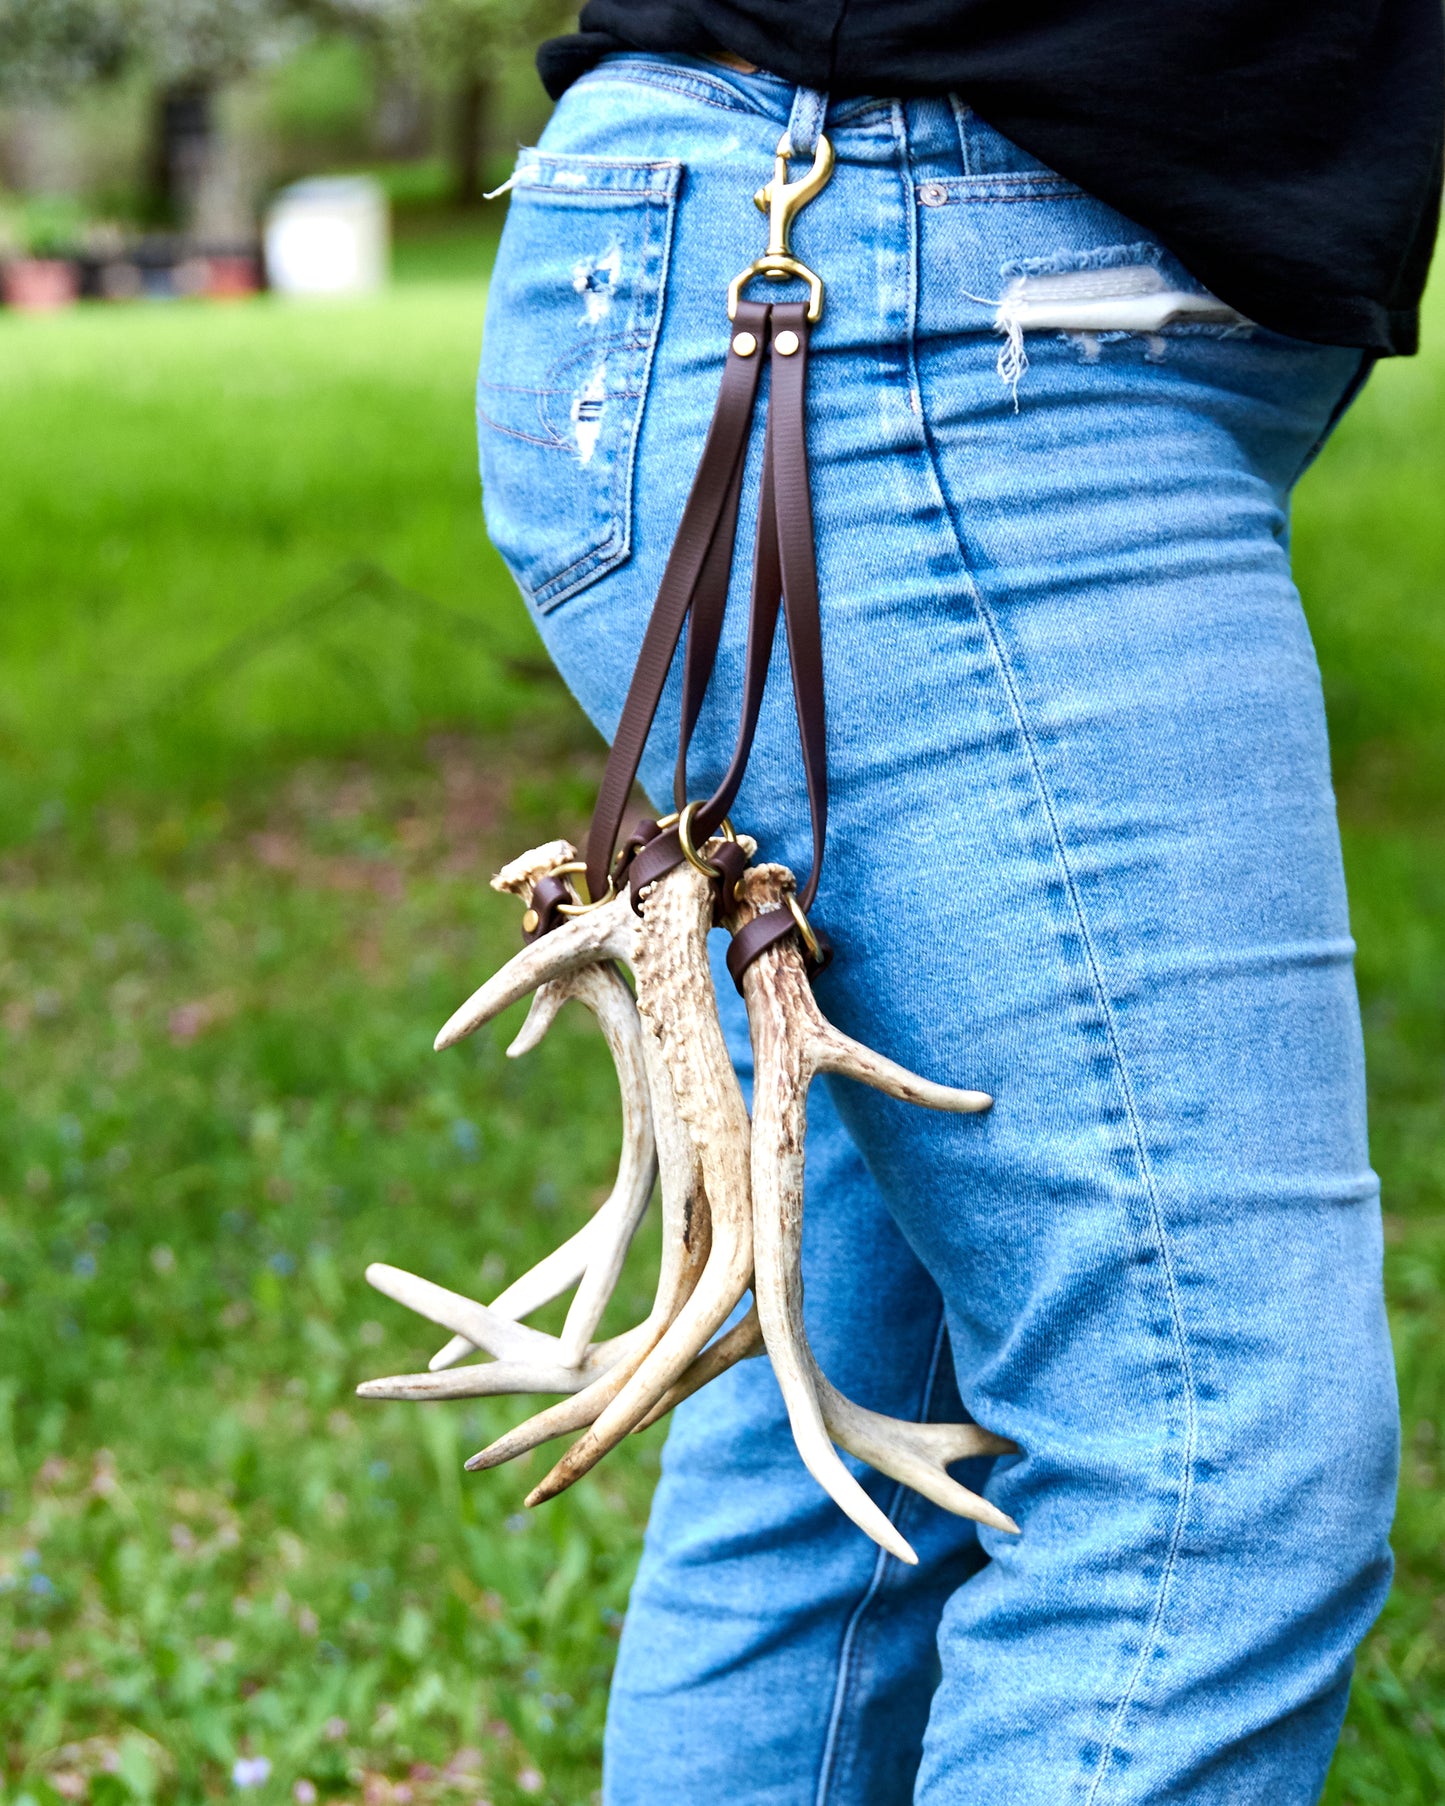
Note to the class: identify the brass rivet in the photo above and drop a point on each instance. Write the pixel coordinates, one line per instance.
(530, 921)
(745, 344)
(786, 343)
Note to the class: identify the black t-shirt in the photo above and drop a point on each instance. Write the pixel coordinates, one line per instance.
(1288, 153)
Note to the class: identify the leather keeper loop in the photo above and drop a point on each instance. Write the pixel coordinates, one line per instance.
(547, 893)
(756, 937)
(644, 830)
(664, 851)
(732, 862)
(660, 855)
(762, 932)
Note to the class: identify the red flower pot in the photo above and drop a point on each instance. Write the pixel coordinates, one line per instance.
(39, 285)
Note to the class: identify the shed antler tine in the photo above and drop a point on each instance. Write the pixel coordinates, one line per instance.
(741, 1343)
(485, 1379)
(546, 1005)
(587, 1405)
(602, 933)
(605, 992)
(686, 1241)
(539, 1285)
(561, 1419)
(783, 1066)
(599, 1255)
(485, 1329)
(791, 1041)
(917, 1454)
(678, 1004)
(717, 1293)
(839, 1053)
(594, 1255)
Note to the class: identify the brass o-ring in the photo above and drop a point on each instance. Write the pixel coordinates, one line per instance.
(810, 940)
(689, 851)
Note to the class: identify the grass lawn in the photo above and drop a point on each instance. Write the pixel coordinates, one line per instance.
(262, 685)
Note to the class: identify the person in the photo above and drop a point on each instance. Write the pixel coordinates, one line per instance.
(1099, 281)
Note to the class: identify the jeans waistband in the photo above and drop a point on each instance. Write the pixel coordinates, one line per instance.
(940, 136)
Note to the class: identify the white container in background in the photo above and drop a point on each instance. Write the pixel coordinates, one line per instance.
(329, 235)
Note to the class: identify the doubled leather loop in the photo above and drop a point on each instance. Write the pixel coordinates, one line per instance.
(547, 894)
(792, 501)
(693, 595)
(702, 517)
(756, 937)
(660, 855)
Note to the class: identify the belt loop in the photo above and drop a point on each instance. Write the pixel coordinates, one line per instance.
(805, 122)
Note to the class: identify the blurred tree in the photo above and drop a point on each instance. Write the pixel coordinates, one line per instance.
(48, 47)
(192, 47)
(462, 45)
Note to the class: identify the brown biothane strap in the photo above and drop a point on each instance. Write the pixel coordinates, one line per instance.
(702, 518)
(693, 593)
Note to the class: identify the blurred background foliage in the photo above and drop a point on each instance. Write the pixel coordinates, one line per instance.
(270, 713)
(187, 113)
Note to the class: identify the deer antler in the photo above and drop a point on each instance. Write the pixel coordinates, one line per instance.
(571, 960)
(732, 1195)
(594, 1255)
(793, 1040)
(686, 1244)
(676, 1001)
(741, 1343)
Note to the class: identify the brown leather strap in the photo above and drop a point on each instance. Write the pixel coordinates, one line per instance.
(547, 893)
(704, 627)
(658, 856)
(801, 613)
(693, 594)
(784, 566)
(702, 517)
(767, 591)
(756, 937)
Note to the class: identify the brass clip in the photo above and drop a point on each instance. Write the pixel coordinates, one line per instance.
(782, 201)
(574, 869)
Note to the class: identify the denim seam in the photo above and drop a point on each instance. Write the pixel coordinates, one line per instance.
(1156, 1220)
(655, 336)
(720, 94)
(646, 79)
(962, 114)
(911, 228)
(694, 84)
(897, 1508)
(555, 162)
(899, 130)
(1156, 1215)
(554, 443)
(1022, 185)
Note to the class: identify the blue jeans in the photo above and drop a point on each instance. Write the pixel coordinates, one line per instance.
(1082, 854)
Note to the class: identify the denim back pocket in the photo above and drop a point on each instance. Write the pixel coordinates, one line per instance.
(572, 319)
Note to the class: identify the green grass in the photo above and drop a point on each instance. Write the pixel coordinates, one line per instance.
(1370, 553)
(262, 690)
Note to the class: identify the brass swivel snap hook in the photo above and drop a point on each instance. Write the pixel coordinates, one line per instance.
(783, 201)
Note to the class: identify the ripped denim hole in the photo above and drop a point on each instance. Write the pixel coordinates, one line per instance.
(587, 409)
(1102, 302)
(595, 279)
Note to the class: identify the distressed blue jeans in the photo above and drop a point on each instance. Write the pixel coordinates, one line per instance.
(1083, 854)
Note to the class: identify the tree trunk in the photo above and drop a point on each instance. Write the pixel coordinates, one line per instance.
(468, 132)
(180, 146)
